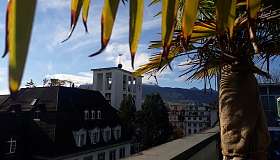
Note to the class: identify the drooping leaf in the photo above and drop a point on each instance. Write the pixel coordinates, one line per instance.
(154, 2)
(20, 19)
(156, 63)
(226, 12)
(189, 17)
(76, 6)
(109, 13)
(169, 12)
(253, 6)
(7, 30)
(135, 26)
(86, 5)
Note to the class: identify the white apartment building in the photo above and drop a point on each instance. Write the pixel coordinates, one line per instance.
(116, 83)
(191, 117)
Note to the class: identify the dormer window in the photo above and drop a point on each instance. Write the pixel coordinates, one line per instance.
(86, 114)
(106, 134)
(36, 115)
(94, 135)
(80, 137)
(92, 114)
(13, 145)
(117, 132)
(98, 114)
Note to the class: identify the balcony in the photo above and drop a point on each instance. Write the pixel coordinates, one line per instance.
(201, 146)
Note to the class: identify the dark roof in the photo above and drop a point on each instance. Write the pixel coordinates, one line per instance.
(45, 95)
(3, 98)
(52, 97)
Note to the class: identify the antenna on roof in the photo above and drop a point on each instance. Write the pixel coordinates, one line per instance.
(120, 61)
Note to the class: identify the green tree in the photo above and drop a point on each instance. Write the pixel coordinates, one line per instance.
(127, 114)
(153, 121)
(30, 84)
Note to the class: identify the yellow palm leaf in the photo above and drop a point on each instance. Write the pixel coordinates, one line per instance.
(169, 12)
(86, 5)
(226, 12)
(20, 15)
(189, 17)
(157, 63)
(253, 7)
(135, 26)
(109, 13)
(76, 6)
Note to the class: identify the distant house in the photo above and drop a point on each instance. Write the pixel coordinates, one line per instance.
(269, 93)
(60, 123)
(191, 117)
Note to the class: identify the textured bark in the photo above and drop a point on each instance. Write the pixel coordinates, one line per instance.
(244, 132)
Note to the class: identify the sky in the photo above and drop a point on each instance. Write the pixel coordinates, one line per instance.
(49, 58)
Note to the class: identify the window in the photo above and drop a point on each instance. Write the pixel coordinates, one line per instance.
(34, 102)
(124, 82)
(122, 153)
(189, 123)
(200, 118)
(117, 132)
(129, 84)
(108, 81)
(112, 155)
(200, 124)
(190, 131)
(36, 115)
(86, 115)
(194, 124)
(189, 118)
(88, 158)
(194, 118)
(99, 85)
(278, 106)
(13, 145)
(94, 135)
(108, 97)
(98, 114)
(92, 114)
(80, 137)
(107, 134)
(101, 156)
(194, 131)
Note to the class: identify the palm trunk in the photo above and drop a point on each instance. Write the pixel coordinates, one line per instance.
(244, 132)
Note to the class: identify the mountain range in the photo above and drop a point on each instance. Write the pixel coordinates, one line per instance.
(181, 94)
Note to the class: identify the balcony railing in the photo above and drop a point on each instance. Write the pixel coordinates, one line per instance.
(201, 146)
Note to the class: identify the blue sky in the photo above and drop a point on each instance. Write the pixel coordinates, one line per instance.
(52, 59)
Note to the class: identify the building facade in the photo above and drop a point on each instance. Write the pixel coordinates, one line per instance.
(60, 123)
(115, 83)
(191, 117)
(269, 93)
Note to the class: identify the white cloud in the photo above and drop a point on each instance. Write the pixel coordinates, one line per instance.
(77, 79)
(53, 4)
(4, 92)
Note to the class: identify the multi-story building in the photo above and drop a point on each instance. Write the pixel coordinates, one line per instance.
(116, 83)
(191, 117)
(60, 123)
(269, 93)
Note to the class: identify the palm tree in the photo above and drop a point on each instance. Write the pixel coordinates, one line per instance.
(219, 38)
(232, 52)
